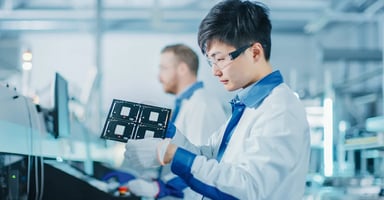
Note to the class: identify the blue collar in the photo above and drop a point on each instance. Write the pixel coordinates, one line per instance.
(253, 95)
(189, 92)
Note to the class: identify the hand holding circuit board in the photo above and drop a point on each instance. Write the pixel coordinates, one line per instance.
(129, 120)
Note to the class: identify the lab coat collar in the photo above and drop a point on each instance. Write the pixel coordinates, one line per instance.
(253, 95)
(189, 91)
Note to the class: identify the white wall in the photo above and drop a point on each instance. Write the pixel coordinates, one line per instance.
(130, 62)
(71, 55)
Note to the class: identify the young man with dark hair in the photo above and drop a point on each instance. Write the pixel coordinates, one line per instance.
(178, 69)
(262, 152)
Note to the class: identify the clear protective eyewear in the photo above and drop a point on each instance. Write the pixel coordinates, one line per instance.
(221, 62)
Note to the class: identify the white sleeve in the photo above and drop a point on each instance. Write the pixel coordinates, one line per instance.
(209, 150)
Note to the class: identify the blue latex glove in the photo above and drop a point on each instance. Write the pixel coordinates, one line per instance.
(122, 177)
(171, 130)
(173, 188)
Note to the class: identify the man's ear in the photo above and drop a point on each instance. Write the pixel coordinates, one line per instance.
(182, 68)
(257, 51)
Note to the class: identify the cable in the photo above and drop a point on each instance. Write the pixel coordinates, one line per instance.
(41, 192)
(29, 144)
(41, 159)
(29, 155)
(42, 178)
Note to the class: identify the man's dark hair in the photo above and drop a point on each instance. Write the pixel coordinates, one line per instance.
(236, 23)
(184, 54)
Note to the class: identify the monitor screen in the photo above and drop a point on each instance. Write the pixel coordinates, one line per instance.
(61, 118)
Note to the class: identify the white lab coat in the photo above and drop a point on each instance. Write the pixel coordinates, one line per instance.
(266, 159)
(198, 117)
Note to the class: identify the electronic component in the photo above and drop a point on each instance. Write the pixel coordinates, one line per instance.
(129, 120)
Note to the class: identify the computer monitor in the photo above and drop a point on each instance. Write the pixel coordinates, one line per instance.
(60, 112)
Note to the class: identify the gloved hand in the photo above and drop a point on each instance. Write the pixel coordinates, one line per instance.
(146, 153)
(122, 177)
(143, 188)
(155, 189)
(144, 173)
